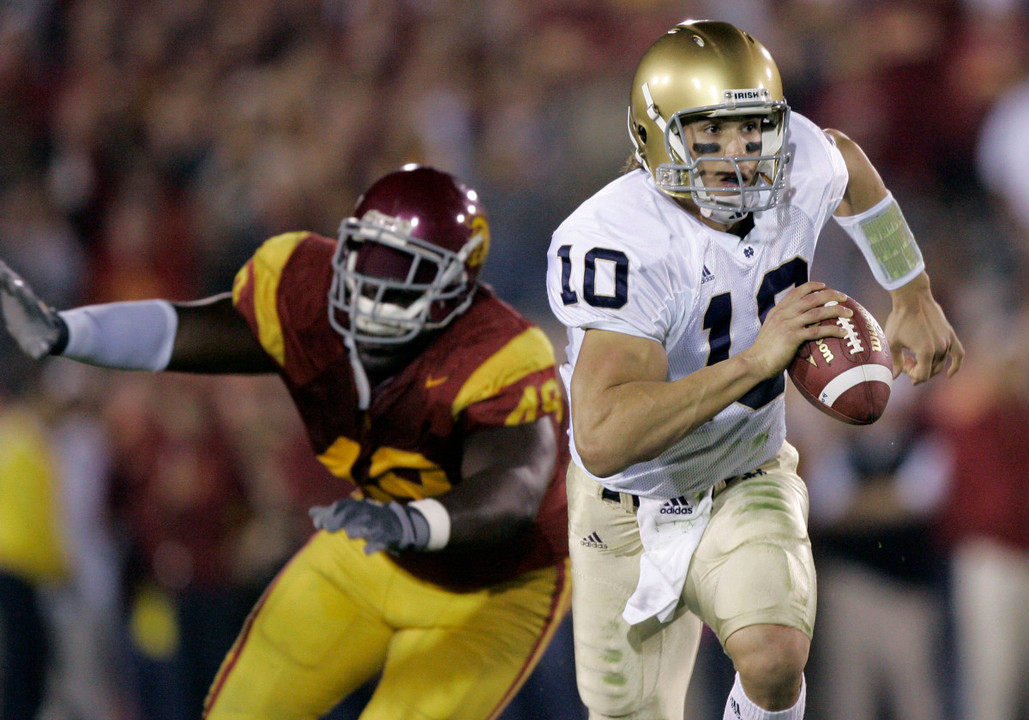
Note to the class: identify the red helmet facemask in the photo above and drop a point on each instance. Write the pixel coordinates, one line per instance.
(409, 258)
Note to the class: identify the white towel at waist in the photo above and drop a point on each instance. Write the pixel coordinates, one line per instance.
(670, 531)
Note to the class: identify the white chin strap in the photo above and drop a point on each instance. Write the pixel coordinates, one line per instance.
(375, 318)
(372, 316)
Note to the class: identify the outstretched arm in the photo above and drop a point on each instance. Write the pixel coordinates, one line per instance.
(505, 471)
(920, 336)
(213, 337)
(206, 336)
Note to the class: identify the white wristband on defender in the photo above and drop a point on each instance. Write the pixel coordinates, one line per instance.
(886, 242)
(439, 522)
(123, 335)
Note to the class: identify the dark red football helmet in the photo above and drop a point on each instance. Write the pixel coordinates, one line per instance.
(409, 258)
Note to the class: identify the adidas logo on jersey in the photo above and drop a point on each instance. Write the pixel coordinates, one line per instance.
(706, 275)
(593, 541)
(677, 506)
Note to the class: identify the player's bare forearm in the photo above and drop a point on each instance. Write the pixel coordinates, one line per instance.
(636, 421)
(505, 474)
(624, 409)
(213, 338)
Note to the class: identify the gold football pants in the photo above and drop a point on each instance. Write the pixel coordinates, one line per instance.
(335, 618)
(753, 566)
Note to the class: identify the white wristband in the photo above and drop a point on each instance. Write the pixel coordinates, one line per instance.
(123, 335)
(438, 519)
(886, 241)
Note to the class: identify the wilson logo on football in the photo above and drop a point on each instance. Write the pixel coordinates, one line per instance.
(854, 381)
(824, 349)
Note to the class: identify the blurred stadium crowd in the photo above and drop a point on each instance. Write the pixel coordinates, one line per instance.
(148, 146)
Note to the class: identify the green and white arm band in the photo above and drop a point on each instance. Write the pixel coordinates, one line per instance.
(438, 519)
(886, 241)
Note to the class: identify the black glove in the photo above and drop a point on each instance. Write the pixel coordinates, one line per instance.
(36, 326)
(385, 526)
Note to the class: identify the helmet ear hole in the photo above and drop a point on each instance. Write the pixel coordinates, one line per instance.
(642, 132)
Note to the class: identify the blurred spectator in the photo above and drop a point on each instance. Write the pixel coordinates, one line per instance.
(31, 557)
(874, 493)
(181, 506)
(84, 609)
(985, 416)
(283, 477)
(986, 419)
(890, 61)
(1002, 167)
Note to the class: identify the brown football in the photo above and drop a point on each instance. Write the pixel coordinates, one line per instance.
(847, 378)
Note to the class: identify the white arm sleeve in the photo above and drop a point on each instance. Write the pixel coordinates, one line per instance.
(886, 241)
(124, 335)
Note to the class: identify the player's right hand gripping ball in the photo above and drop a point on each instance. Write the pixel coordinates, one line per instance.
(847, 378)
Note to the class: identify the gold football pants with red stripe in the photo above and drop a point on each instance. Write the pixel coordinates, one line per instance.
(335, 618)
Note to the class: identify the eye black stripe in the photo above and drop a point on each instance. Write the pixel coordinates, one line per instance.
(715, 148)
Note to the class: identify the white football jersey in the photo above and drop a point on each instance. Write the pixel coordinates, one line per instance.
(631, 260)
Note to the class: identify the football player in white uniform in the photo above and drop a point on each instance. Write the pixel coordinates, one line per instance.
(684, 285)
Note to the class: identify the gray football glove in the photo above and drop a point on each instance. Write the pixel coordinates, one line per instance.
(386, 526)
(36, 326)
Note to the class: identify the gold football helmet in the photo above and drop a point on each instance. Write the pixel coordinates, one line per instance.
(701, 69)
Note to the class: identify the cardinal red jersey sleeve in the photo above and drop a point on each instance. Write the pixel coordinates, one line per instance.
(282, 292)
(516, 384)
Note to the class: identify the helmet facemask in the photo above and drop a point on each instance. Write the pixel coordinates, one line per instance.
(391, 285)
(683, 175)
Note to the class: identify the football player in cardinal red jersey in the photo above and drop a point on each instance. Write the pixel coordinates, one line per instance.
(442, 568)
